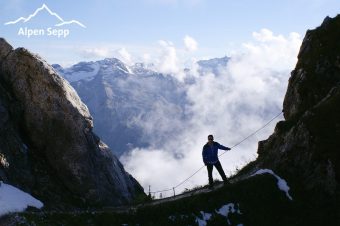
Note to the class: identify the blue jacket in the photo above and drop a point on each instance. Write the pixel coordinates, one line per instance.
(209, 153)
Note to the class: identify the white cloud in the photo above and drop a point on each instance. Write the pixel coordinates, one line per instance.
(266, 35)
(190, 43)
(91, 53)
(231, 105)
(98, 53)
(173, 61)
(125, 56)
(276, 52)
(168, 62)
(146, 58)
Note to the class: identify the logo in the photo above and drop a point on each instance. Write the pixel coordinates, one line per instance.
(55, 31)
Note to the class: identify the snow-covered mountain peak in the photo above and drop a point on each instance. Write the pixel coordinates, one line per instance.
(143, 69)
(113, 66)
(81, 71)
(111, 61)
(109, 68)
(89, 70)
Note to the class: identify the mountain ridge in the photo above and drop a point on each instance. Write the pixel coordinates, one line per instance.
(123, 99)
(136, 91)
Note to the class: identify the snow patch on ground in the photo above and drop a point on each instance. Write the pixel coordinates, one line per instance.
(281, 183)
(201, 222)
(13, 199)
(205, 218)
(224, 211)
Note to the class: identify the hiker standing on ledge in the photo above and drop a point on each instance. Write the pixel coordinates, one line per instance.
(210, 159)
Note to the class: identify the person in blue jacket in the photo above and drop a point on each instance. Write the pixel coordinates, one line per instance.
(210, 159)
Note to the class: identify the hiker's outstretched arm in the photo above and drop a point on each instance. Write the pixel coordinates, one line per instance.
(223, 147)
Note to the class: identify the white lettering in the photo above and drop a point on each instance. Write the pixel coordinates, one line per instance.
(31, 32)
(21, 31)
(58, 32)
(66, 32)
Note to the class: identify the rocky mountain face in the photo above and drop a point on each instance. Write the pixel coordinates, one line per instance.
(47, 146)
(213, 65)
(305, 147)
(127, 102)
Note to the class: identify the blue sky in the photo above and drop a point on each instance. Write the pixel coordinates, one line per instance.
(219, 27)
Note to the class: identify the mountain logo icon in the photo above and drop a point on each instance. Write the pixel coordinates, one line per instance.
(62, 22)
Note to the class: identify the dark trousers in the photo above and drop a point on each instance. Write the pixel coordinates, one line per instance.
(219, 168)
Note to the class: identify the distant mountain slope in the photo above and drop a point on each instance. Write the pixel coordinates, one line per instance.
(125, 102)
(47, 147)
(213, 65)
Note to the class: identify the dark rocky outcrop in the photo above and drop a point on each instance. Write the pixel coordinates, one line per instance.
(306, 146)
(47, 147)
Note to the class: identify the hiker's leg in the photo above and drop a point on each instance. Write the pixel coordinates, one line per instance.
(210, 169)
(220, 170)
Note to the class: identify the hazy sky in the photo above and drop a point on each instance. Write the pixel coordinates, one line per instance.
(115, 28)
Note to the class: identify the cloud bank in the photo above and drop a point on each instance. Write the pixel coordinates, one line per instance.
(125, 56)
(190, 43)
(98, 53)
(231, 105)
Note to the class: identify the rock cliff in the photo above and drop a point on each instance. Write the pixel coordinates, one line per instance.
(47, 147)
(306, 146)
